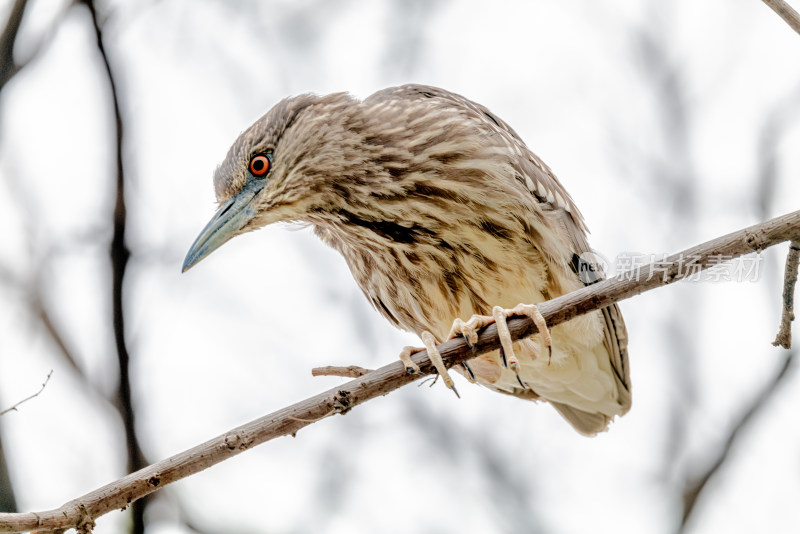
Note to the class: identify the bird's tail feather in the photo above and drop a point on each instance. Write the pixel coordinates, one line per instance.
(586, 423)
(616, 345)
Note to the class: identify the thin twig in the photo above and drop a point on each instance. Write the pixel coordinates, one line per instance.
(784, 337)
(289, 420)
(26, 399)
(786, 12)
(350, 371)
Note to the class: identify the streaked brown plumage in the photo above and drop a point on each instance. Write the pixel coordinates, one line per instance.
(441, 212)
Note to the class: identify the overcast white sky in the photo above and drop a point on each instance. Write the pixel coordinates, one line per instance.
(656, 116)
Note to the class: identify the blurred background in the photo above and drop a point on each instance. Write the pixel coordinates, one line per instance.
(669, 122)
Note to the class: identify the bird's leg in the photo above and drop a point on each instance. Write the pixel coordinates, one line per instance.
(529, 310)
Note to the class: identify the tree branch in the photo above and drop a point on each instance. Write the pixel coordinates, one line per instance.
(784, 337)
(81, 512)
(786, 12)
(350, 371)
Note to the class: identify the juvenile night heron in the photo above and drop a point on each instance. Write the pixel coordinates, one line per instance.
(446, 219)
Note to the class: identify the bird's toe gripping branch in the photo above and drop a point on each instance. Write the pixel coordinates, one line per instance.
(436, 359)
(529, 310)
(405, 357)
(469, 330)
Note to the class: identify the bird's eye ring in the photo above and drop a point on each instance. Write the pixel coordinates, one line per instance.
(260, 164)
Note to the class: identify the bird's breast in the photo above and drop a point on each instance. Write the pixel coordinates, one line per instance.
(426, 283)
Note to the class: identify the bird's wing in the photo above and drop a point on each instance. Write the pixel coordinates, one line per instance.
(563, 235)
(543, 184)
(562, 215)
(567, 223)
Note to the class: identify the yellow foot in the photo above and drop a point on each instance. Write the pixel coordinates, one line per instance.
(529, 310)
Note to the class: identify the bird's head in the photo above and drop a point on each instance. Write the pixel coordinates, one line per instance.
(278, 168)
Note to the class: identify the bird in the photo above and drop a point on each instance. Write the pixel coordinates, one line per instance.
(448, 222)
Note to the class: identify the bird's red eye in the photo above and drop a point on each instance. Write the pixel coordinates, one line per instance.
(259, 165)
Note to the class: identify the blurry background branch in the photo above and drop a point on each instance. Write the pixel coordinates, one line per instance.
(695, 482)
(119, 256)
(14, 407)
(8, 66)
(696, 486)
(81, 512)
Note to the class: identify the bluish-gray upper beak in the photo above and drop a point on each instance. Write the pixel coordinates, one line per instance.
(230, 218)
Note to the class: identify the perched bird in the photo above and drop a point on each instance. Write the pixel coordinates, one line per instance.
(446, 220)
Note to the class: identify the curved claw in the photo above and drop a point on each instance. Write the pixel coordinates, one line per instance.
(469, 329)
(529, 310)
(436, 359)
(405, 357)
(509, 359)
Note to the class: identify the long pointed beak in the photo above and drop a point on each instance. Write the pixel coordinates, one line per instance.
(229, 219)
